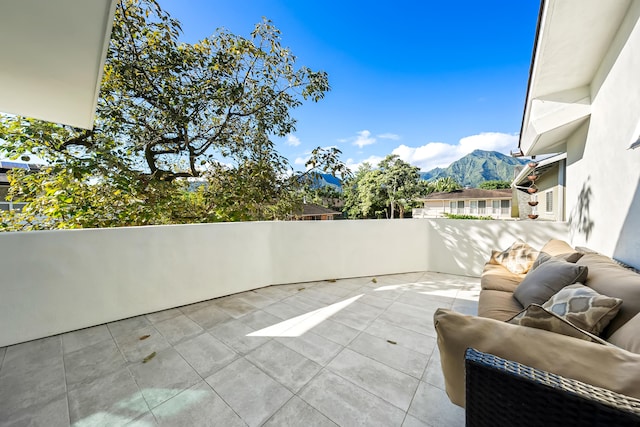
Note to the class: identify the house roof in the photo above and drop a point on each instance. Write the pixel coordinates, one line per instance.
(542, 167)
(53, 54)
(311, 209)
(471, 193)
(572, 38)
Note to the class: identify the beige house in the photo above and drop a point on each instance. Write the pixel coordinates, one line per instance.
(469, 201)
(551, 189)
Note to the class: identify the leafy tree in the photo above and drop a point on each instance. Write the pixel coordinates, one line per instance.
(362, 193)
(494, 185)
(399, 182)
(445, 185)
(390, 188)
(170, 112)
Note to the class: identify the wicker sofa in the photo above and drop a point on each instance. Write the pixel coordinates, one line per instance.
(613, 364)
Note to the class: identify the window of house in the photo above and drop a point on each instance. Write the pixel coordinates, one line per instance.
(452, 207)
(549, 201)
(505, 207)
(496, 206)
(460, 206)
(474, 206)
(482, 207)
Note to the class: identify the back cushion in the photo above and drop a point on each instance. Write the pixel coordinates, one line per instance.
(557, 247)
(608, 278)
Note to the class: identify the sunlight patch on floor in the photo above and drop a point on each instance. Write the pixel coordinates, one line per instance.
(297, 326)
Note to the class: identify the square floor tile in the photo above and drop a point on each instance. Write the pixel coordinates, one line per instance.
(198, 406)
(256, 299)
(128, 326)
(347, 404)
(111, 400)
(36, 354)
(82, 338)
(208, 316)
(251, 393)
(402, 337)
(27, 388)
(53, 413)
(140, 343)
(388, 352)
(297, 412)
(284, 365)
(313, 347)
(335, 331)
(206, 354)
(432, 406)
(164, 376)
(260, 319)
(89, 363)
(387, 383)
(159, 316)
(235, 334)
(178, 328)
(234, 306)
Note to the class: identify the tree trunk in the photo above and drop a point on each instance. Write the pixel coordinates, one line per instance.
(392, 209)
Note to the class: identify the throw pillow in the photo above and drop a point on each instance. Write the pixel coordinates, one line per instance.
(536, 316)
(544, 257)
(545, 281)
(584, 307)
(518, 258)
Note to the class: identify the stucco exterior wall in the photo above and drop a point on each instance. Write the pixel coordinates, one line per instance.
(59, 281)
(603, 174)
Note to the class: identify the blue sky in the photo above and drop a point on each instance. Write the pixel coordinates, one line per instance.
(428, 80)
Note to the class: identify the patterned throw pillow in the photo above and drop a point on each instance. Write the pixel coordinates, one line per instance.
(535, 316)
(518, 258)
(584, 307)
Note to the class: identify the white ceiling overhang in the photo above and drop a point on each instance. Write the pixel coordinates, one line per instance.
(53, 54)
(573, 37)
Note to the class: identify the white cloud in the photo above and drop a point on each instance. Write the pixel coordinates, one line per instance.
(439, 154)
(372, 160)
(364, 138)
(391, 136)
(489, 141)
(300, 160)
(293, 140)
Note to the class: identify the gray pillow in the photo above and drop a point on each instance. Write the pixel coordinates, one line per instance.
(543, 257)
(547, 279)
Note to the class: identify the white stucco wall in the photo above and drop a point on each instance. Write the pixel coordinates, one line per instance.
(58, 281)
(603, 175)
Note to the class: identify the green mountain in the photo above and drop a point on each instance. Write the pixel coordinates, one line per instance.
(477, 167)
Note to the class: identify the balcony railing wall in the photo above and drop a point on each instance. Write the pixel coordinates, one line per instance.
(58, 281)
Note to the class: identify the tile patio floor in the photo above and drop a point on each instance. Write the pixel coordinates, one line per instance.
(351, 352)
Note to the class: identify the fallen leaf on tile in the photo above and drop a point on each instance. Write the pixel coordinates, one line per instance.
(144, 337)
(391, 342)
(149, 357)
(332, 280)
(374, 280)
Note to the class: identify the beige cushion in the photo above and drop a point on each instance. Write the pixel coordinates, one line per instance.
(603, 366)
(628, 335)
(517, 258)
(556, 247)
(608, 278)
(584, 307)
(545, 281)
(496, 277)
(536, 316)
(498, 305)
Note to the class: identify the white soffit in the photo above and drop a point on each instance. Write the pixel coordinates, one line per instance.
(573, 38)
(53, 54)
